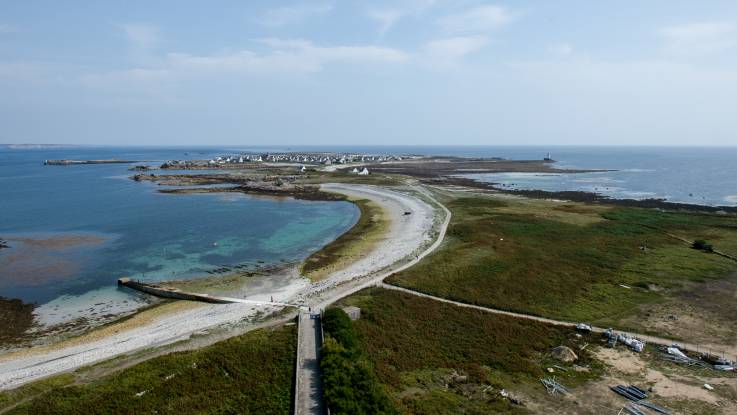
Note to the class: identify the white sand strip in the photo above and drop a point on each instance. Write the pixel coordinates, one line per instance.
(407, 236)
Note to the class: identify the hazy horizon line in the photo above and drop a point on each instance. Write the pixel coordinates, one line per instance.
(365, 145)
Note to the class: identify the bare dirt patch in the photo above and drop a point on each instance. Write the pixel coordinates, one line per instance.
(622, 361)
(703, 315)
(679, 389)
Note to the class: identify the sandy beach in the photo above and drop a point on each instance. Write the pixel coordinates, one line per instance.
(406, 241)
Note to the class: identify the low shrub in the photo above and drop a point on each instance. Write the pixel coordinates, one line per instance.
(350, 385)
(702, 245)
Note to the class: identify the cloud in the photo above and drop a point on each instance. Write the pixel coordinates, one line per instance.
(141, 36)
(6, 29)
(477, 19)
(282, 16)
(702, 38)
(130, 76)
(23, 71)
(386, 19)
(390, 15)
(561, 50)
(287, 56)
(446, 53)
(284, 56)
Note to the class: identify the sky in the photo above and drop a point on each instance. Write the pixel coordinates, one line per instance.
(405, 72)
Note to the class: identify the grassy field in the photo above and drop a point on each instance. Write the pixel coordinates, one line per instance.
(569, 261)
(249, 374)
(435, 358)
(349, 247)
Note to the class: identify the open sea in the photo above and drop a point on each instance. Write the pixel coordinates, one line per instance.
(73, 230)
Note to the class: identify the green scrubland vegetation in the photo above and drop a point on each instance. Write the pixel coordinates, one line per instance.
(350, 385)
(248, 374)
(436, 358)
(571, 261)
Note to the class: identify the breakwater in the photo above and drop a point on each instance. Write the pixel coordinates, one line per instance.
(174, 293)
(75, 162)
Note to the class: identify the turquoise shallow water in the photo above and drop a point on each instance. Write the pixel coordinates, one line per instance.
(99, 225)
(76, 229)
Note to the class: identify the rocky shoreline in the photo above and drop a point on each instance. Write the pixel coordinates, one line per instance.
(16, 318)
(434, 167)
(586, 197)
(260, 185)
(78, 162)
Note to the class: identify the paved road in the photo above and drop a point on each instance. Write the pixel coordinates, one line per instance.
(309, 389)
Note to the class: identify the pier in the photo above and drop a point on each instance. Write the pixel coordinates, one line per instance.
(308, 385)
(177, 294)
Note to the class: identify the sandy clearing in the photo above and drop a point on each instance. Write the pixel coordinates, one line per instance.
(407, 236)
(624, 361)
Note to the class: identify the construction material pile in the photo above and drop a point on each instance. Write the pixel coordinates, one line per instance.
(632, 342)
(638, 396)
(700, 361)
(554, 387)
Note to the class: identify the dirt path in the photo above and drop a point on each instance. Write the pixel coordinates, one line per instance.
(729, 351)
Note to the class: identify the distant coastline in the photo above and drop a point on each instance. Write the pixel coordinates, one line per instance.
(38, 146)
(591, 197)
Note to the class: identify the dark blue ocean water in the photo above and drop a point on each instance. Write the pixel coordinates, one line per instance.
(76, 229)
(696, 175)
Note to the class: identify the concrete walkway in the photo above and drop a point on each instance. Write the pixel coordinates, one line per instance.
(308, 393)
